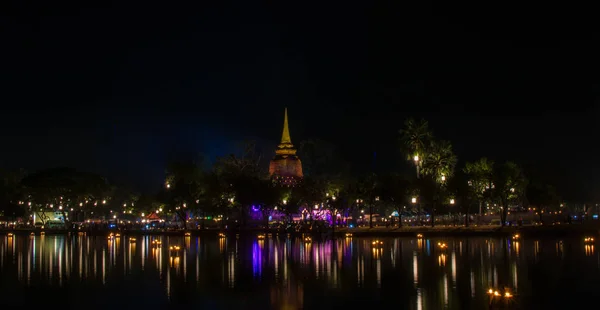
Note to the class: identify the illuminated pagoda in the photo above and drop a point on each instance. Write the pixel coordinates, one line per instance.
(285, 168)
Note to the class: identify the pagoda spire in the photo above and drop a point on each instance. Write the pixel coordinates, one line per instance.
(285, 136)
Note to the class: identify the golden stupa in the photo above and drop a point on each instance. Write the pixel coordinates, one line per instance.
(285, 168)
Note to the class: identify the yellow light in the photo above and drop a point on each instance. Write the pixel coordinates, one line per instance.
(490, 291)
(496, 293)
(419, 236)
(414, 200)
(507, 295)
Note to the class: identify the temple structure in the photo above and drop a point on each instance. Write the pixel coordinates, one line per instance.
(285, 168)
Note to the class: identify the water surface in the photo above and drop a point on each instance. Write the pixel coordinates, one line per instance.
(289, 273)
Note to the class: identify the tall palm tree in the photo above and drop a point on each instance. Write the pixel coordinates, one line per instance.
(440, 161)
(439, 165)
(415, 140)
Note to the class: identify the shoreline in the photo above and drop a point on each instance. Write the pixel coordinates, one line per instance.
(480, 231)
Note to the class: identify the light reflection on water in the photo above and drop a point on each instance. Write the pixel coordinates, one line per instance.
(289, 273)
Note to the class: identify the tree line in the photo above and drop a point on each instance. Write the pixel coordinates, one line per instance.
(234, 183)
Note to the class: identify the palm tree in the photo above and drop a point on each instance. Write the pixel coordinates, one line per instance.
(440, 161)
(416, 139)
(439, 165)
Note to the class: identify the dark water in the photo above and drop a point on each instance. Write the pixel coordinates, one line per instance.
(280, 273)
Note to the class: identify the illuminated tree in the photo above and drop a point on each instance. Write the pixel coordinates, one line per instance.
(439, 166)
(509, 186)
(480, 174)
(415, 140)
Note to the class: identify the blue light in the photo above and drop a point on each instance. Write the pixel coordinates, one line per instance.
(595, 216)
(395, 213)
(351, 225)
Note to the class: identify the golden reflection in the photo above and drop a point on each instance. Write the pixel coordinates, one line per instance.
(378, 266)
(515, 276)
(175, 261)
(517, 248)
(415, 269)
(361, 271)
(559, 248)
(589, 249)
(144, 249)
(230, 270)
(340, 251)
(442, 260)
(419, 299)
(187, 241)
(472, 284)
(289, 297)
(222, 243)
(103, 266)
(130, 254)
(453, 262)
(305, 251)
(285, 262)
(377, 253)
(536, 249)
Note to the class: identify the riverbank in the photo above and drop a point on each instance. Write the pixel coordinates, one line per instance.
(591, 229)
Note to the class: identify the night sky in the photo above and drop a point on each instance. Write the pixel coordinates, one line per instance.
(122, 88)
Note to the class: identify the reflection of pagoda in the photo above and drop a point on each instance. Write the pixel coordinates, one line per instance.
(285, 167)
(289, 297)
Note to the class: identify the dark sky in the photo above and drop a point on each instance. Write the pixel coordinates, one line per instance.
(119, 88)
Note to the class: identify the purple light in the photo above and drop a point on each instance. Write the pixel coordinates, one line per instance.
(256, 259)
(255, 208)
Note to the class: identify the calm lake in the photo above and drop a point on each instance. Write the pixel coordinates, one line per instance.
(289, 273)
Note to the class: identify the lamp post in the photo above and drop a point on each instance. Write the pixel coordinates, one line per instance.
(416, 159)
(451, 216)
(413, 200)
